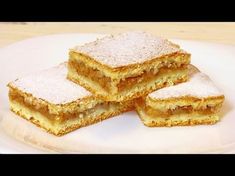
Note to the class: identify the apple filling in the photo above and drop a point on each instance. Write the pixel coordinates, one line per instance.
(43, 108)
(180, 110)
(124, 83)
(146, 77)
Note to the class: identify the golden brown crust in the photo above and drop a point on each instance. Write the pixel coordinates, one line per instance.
(169, 122)
(86, 121)
(191, 122)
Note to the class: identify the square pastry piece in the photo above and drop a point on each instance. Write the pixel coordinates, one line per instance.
(197, 101)
(58, 105)
(128, 65)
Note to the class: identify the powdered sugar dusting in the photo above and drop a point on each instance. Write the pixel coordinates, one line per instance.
(51, 85)
(127, 48)
(199, 86)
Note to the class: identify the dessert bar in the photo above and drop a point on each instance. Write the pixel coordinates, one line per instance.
(127, 65)
(197, 101)
(52, 102)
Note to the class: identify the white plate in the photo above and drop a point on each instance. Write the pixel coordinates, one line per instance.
(124, 133)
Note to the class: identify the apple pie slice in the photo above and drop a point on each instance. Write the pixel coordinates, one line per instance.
(197, 101)
(58, 105)
(127, 65)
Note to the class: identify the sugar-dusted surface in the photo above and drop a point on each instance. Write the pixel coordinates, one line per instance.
(127, 48)
(51, 85)
(215, 59)
(199, 85)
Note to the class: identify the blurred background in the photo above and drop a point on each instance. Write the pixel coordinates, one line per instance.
(219, 32)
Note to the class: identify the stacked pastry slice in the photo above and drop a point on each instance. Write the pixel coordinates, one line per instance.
(127, 65)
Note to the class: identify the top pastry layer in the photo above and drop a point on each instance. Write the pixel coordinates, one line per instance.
(51, 85)
(199, 86)
(128, 48)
